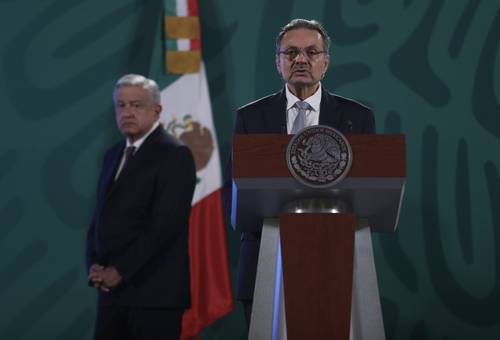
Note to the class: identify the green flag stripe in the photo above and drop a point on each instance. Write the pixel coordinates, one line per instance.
(171, 45)
(170, 7)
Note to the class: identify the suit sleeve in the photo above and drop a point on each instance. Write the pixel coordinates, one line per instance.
(369, 125)
(170, 213)
(90, 251)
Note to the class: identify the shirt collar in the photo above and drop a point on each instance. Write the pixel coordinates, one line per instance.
(314, 100)
(141, 140)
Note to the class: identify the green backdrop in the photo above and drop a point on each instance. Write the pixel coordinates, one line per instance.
(429, 68)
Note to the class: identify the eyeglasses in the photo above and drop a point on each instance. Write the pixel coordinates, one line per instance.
(309, 53)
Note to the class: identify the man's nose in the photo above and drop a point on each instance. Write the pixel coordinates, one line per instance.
(301, 57)
(126, 110)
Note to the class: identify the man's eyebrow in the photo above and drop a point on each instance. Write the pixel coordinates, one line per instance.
(136, 101)
(295, 47)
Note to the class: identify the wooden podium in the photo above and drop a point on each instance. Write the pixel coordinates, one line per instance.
(316, 275)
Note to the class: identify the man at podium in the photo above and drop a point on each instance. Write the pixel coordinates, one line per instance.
(302, 59)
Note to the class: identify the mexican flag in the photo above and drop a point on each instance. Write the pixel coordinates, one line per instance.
(178, 67)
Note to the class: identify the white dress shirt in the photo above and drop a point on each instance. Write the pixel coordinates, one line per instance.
(312, 116)
(137, 144)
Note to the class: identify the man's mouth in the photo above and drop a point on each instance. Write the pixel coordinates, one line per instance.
(300, 72)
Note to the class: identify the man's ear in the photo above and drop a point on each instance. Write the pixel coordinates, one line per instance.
(327, 63)
(277, 62)
(158, 109)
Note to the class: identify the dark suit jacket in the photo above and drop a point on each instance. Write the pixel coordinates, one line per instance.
(140, 223)
(268, 115)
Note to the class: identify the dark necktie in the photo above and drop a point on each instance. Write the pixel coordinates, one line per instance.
(129, 153)
(300, 121)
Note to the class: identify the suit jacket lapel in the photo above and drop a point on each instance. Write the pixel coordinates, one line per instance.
(142, 153)
(110, 170)
(277, 113)
(329, 113)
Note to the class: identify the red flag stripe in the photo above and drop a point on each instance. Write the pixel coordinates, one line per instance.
(193, 8)
(195, 44)
(211, 293)
(193, 11)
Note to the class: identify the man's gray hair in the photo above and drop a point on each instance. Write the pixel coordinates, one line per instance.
(137, 80)
(304, 23)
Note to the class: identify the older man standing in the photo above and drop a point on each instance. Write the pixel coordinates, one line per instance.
(302, 59)
(137, 250)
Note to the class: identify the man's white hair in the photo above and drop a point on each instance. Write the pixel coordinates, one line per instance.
(137, 80)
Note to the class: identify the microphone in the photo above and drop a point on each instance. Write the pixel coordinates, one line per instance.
(349, 126)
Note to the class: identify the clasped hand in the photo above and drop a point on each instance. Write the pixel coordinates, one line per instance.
(104, 278)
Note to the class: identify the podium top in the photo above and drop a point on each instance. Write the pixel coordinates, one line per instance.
(263, 185)
(263, 155)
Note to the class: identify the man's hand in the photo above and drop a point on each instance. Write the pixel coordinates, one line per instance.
(104, 278)
(111, 277)
(95, 277)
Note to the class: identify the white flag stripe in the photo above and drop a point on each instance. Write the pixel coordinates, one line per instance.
(183, 44)
(178, 102)
(181, 7)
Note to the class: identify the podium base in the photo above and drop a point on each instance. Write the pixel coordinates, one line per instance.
(366, 312)
(268, 310)
(268, 319)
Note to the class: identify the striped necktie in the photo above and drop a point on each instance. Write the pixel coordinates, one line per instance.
(300, 121)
